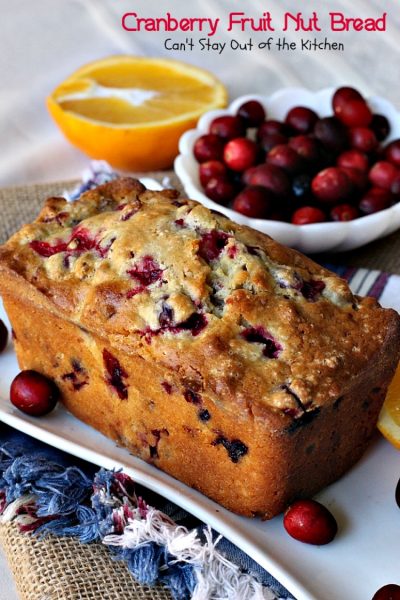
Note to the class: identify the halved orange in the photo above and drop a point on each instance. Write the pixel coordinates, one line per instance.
(131, 111)
(389, 418)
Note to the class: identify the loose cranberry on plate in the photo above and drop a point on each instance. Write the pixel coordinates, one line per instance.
(383, 174)
(375, 200)
(208, 147)
(306, 215)
(240, 154)
(390, 591)
(286, 158)
(252, 113)
(331, 185)
(363, 139)
(255, 201)
(220, 189)
(3, 336)
(228, 127)
(301, 119)
(344, 212)
(210, 169)
(33, 393)
(310, 522)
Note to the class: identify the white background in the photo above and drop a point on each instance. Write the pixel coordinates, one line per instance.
(44, 41)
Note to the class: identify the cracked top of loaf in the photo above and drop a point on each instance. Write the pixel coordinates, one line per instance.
(218, 303)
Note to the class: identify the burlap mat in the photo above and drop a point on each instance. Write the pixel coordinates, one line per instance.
(63, 569)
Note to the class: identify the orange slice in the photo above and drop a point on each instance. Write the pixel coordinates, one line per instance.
(389, 418)
(131, 111)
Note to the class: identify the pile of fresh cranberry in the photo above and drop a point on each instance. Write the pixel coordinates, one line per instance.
(305, 169)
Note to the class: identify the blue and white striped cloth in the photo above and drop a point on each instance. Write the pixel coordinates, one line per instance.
(369, 282)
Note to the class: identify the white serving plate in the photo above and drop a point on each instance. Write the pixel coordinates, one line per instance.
(364, 556)
(318, 237)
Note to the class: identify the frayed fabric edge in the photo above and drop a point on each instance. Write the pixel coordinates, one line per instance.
(106, 509)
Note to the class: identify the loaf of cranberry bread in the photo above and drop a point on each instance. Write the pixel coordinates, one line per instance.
(238, 366)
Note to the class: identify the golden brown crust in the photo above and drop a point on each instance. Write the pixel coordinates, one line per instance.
(193, 290)
(258, 336)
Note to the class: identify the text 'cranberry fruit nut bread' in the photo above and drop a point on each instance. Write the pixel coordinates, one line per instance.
(235, 364)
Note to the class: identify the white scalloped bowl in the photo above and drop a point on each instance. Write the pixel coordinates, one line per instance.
(318, 237)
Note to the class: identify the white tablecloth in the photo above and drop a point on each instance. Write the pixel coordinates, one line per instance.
(44, 41)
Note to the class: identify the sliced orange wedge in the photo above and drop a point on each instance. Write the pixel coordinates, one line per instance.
(131, 111)
(389, 418)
